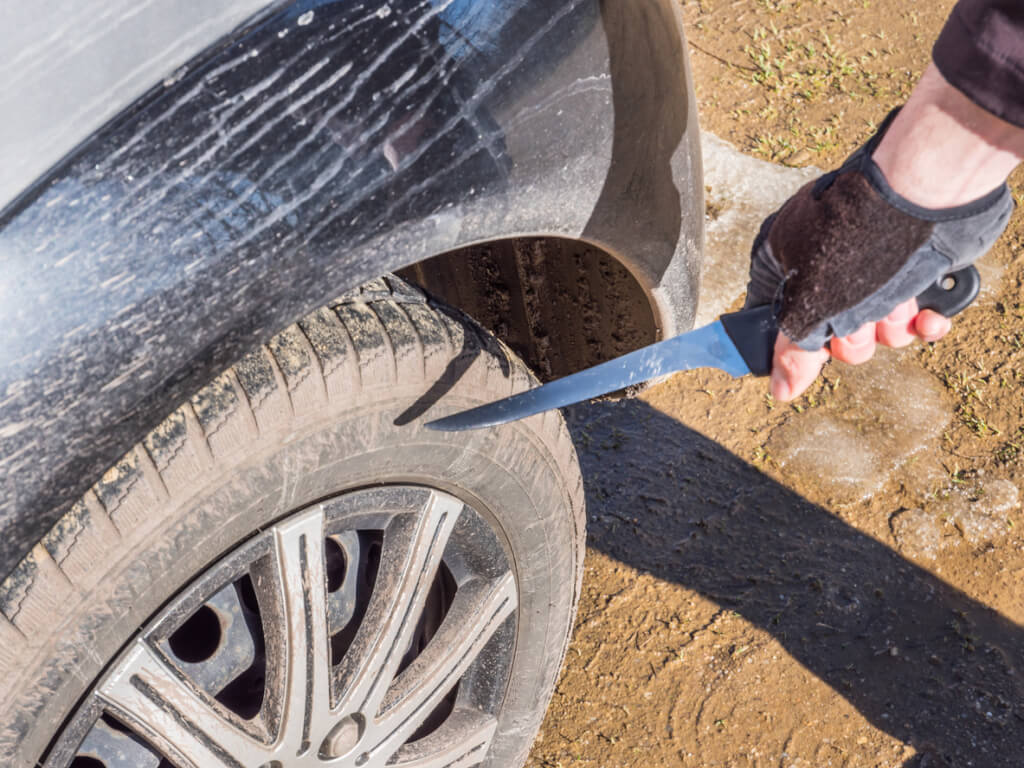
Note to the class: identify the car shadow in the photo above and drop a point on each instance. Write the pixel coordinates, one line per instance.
(917, 657)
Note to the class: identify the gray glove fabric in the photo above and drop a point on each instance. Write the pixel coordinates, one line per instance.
(846, 249)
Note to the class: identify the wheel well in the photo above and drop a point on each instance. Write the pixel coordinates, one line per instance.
(562, 305)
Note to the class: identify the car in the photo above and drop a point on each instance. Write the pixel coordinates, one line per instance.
(248, 248)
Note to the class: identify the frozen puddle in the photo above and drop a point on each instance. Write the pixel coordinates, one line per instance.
(882, 414)
(976, 515)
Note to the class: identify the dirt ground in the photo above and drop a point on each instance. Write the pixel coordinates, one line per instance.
(833, 582)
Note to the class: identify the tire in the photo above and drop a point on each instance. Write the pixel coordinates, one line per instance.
(323, 421)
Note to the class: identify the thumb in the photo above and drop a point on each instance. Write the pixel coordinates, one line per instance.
(794, 369)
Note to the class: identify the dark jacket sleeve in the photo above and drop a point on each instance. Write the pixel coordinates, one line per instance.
(981, 53)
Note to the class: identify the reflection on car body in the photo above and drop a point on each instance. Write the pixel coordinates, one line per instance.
(199, 288)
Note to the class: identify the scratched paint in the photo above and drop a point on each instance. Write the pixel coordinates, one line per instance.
(70, 66)
(272, 173)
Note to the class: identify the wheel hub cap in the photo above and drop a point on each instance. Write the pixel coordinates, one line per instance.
(373, 629)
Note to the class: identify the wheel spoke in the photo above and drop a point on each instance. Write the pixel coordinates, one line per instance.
(149, 696)
(461, 743)
(412, 550)
(480, 607)
(299, 565)
(359, 648)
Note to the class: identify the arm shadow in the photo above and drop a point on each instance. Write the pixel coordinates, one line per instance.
(713, 523)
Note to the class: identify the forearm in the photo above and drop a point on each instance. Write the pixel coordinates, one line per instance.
(943, 150)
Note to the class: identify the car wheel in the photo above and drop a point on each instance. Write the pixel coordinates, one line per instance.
(290, 571)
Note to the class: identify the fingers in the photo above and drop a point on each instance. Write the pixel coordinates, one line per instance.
(856, 348)
(902, 326)
(931, 326)
(794, 369)
(898, 329)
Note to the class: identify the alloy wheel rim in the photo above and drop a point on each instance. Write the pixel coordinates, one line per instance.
(374, 629)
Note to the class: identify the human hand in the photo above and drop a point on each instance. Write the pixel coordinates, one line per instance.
(794, 369)
(843, 259)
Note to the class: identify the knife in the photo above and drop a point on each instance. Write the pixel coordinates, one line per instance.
(737, 343)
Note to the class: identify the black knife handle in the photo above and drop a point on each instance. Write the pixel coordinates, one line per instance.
(952, 294)
(753, 331)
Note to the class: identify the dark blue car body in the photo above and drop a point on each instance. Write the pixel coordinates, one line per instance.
(185, 179)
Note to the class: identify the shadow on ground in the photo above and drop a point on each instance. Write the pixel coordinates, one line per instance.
(918, 658)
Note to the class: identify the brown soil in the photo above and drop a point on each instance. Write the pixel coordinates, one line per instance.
(806, 81)
(747, 603)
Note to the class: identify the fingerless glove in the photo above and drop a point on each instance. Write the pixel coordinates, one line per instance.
(846, 249)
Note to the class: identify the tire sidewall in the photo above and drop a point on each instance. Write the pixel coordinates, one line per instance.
(509, 475)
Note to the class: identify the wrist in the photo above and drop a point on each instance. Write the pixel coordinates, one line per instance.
(943, 150)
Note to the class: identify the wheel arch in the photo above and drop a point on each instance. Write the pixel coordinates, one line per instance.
(562, 304)
(146, 263)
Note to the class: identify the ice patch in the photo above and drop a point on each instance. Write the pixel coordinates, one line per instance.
(831, 450)
(881, 415)
(897, 397)
(974, 516)
(984, 517)
(920, 532)
(924, 476)
(741, 192)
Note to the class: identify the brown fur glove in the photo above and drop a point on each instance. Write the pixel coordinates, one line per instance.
(846, 249)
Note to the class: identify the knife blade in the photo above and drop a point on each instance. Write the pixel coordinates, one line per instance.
(738, 343)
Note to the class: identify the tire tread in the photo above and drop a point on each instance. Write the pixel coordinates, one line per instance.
(361, 343)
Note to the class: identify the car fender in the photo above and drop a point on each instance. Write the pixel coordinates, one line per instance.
(314, 147)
